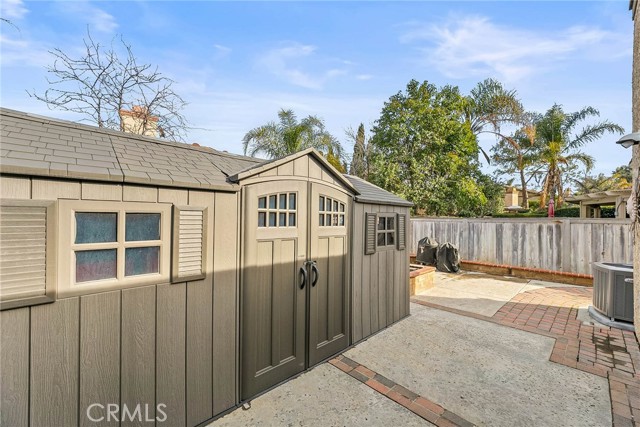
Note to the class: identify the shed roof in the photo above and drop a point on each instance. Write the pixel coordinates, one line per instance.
(370, 193)
(42, 146)
(271, 164)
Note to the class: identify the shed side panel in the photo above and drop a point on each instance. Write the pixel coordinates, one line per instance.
(14, 366)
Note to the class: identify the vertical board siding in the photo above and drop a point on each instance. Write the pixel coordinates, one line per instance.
(560, 244)
(14, 366)
(99, 354)
(380, 293)
(225, 297)
(170, 352)
(174, 345)
(138, 369)
(55, 337)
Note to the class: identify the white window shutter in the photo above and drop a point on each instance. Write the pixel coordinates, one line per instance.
(27, 252)
(370, 233)
(402, 224)
(189, 243)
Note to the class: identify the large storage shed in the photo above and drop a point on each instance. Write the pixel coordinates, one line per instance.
(174, 280)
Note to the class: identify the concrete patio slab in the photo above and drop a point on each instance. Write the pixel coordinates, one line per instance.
(324, 396)
(487, 373)
(476, 293)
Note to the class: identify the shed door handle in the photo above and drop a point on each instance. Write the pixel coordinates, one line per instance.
(303, 272)
(316, 274)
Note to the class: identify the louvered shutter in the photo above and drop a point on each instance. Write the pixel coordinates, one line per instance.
(402, 223)
(370, 234)
(27, 252)
(189, 243)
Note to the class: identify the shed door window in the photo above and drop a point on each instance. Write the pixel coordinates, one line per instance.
(331, 212)
(277, 210)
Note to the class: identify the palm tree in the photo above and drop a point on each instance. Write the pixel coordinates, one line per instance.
(279, 139)
(558, 146)
(489, 106)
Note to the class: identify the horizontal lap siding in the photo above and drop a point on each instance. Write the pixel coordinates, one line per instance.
(171, 344)
(569, 245)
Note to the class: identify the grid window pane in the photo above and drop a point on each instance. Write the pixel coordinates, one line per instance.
(292, 220)
(321, 220)
(142, 226)
(95, 265)
(272, 202)
(390, 239)
(380, 239)
(327, 220)
(262, 203)
(292, 201)
(272, 219)
(141, 260)
(335, 206)
(282, 220)
(341, 207)
(94, 227)
(262, 219)
(390, 224)
(341, 220)
(321, 204)
(283, 201)
(381, 223)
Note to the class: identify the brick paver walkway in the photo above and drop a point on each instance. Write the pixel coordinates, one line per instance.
(607, 352)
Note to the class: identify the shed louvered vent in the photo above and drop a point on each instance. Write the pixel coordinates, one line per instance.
(402, 223)
(189, 243)
(370, 234)
(23, 252)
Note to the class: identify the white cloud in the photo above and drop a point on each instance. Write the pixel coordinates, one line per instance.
(475, 46)
(13, 9)
(364, 77)
(222, 50)
(96, 18)
(286, 62)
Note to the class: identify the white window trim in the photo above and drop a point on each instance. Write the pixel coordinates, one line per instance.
(67, 285)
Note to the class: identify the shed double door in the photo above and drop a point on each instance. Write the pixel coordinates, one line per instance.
(295, 287)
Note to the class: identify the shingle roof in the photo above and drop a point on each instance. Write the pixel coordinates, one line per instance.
(370, 193)
(43, 146)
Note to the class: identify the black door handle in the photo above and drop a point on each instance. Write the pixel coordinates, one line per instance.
(303, 271)
(314, 269)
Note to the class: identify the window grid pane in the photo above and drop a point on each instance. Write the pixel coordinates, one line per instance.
(142, 226)
(145, 260)
(96, 227)
(96, 265)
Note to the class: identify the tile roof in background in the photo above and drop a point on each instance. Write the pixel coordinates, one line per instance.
(43, 146)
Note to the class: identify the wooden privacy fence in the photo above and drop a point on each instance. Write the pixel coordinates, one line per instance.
(567, 244)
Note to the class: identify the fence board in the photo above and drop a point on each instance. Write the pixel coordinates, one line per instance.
(567, 244)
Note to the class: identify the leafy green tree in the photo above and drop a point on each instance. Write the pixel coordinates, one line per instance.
(619, 179)
(423, 150)
(558, 146)
(288, 136)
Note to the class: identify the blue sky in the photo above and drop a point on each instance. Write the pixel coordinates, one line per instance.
(238, 63)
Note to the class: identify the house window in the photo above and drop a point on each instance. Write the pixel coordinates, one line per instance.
(113, 245)
(331, 212)
(386, 231)
(277, 210)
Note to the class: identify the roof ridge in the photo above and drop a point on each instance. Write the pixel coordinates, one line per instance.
(108, 131)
